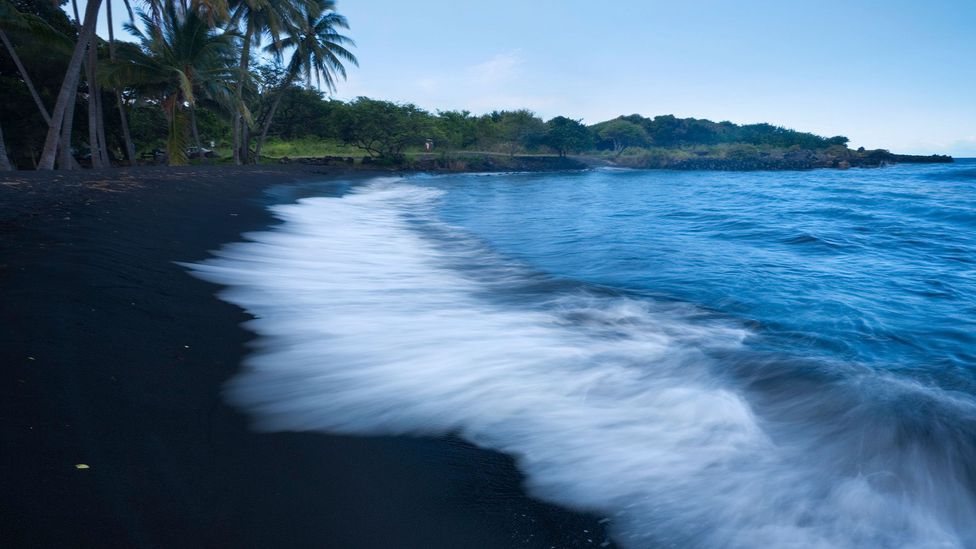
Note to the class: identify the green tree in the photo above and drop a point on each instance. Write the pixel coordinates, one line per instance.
(180, 57)
(34, 28)
(622, 134)
(458, 129)
(256, 19)
(68, 88)
(567, 135)
(319, 51)
(385, 129)
(35, 34)
(304, 113)
(520, 129)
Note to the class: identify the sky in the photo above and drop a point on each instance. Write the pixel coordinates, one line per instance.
(889, 74)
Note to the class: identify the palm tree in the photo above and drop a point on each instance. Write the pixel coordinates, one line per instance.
(37, 30)
(180, 56)
(258, 18)
(319, 51)
(68, 87)
(130, 150)
(96, 129)
(11, 19)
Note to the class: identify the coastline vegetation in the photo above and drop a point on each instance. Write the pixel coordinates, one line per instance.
(249, 81)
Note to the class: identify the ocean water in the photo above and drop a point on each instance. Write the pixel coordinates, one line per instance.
(767, 359)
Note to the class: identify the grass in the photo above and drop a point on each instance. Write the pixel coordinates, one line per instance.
(305, 147)
(308, 147)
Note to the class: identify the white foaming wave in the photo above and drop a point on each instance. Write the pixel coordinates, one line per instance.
(366, 330)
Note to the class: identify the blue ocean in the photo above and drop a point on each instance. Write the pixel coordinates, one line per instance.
(703, 359)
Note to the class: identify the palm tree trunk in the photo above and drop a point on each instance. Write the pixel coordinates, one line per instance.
(66, 158)
(238, 96)
(96, 114)
(24, 75)
(69, 85)
(245, 143)
(93, 144)
(100, 110)
(196, 134)
(4, 161)
(130, 150)
(236, 147)
(264, 130)
(267, 122)
(66, 161)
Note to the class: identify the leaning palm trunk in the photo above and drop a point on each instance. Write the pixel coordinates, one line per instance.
(100, 126)
(196, 134)
(176, 140)
(264, 130)
(4, 161)
(66, 161)
(274, 108)
(26, 77)
(68, 86)
(130, 150)
(93, 142)
(245, 142)
(238, 99)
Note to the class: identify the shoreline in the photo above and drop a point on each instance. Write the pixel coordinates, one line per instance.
(115, 361)
(677, 160)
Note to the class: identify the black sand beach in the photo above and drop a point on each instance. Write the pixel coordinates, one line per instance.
(113, 357)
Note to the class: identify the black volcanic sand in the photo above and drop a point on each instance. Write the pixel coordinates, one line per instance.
(114, 357)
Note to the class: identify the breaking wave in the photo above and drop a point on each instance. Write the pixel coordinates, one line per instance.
(376, 318)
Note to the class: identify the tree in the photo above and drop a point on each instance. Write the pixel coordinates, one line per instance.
(180, 57)
(319, 50)
(303, 113)
(383, 128)
(38, 35)
(130, 150)
(567, 135)
(258, 18)
(458, 129)
(520, 129)
(622, 134)
(69, 86)
(11, 19)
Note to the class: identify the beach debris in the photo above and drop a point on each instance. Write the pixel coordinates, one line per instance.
(82, 466)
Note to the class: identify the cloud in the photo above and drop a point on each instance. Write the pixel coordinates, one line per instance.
(428, 84)
(499, 69)
(497, 82)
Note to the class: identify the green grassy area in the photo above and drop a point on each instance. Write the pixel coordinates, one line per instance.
(308, 147)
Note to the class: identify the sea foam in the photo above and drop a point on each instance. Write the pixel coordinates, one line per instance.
(377, 319)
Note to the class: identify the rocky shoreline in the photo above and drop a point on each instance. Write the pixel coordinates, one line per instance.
(679, 160)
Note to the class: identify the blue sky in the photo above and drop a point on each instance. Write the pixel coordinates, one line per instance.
(893, 74)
